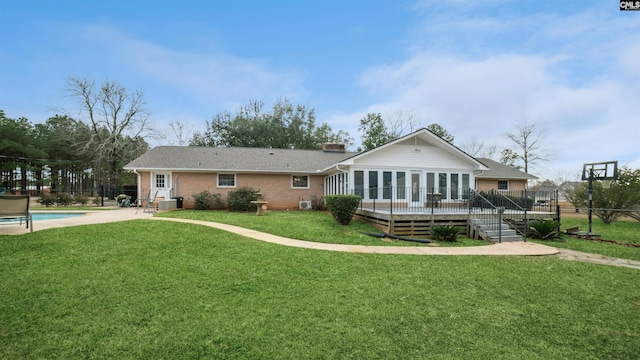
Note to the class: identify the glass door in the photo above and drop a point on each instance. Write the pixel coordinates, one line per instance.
(415, 187)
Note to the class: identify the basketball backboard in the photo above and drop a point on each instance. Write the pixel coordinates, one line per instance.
(607, 170)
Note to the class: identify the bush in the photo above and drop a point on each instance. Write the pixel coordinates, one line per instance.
(97, 201)
(343, 207)
(318, 203)
(240, 200)
(47, 200)
(544, 230)
(444, 233)
(206, 200)
(81, 199)
(64, 199)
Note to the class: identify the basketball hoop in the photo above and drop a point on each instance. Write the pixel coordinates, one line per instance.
(607, 170)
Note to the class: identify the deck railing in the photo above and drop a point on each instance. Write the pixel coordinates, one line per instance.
(453, 200)
(503, 209)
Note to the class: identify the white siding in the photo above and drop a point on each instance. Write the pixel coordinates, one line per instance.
(413, 157)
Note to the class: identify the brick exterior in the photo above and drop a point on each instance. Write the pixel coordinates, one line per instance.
(492, 184)
(275, 188)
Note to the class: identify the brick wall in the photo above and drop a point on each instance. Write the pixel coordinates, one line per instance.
(492, 184)
(276, 189)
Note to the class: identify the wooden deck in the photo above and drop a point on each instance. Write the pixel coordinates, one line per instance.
(418, 222)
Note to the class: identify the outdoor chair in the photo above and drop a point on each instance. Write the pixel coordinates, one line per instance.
(150, 205)
(16, 207)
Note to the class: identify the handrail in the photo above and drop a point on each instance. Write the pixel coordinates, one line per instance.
(518, 207)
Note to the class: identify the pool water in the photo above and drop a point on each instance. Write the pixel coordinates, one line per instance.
(48, 216)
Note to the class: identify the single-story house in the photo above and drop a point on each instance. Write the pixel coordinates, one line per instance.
(404, 170)
(501, 177)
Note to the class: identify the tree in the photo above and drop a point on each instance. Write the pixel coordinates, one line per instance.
(115, 117)
(479, 149)
(180, 133)
(61, 137)
(19, 150)
(374, 131)
(609, 197)
(528, 142)
(510, 158)
(440, 131)
(287, 126)
(400, 123)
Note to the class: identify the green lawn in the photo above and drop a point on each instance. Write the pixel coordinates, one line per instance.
(306, 225)
(622, 231)
(147, 290)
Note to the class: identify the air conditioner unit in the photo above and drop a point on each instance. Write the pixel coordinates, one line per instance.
(305, 205)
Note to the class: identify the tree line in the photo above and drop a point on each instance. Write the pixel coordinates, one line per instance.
(75, 155)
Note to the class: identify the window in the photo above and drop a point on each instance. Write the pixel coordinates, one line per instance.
(454, 186)
(431, 183)
(442, 183)
(386, 185)
(358, 180)
(300, 181)
(401, 184)
(503, 184)
(226, 180)
(159, 181)
(373, 184)
(465, 186)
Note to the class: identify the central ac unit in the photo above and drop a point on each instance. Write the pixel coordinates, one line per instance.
(305, 205)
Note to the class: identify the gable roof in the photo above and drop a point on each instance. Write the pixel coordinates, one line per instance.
(429, 137)
(195, 158)
(501, 171)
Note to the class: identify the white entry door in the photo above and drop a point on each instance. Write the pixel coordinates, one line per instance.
(161, 182)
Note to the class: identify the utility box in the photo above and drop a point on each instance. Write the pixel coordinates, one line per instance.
(167, 204)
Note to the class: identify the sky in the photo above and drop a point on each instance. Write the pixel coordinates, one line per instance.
(479, 68)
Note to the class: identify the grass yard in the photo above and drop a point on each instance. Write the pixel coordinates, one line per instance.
(623, 231)
(147, 290)
(306, 225)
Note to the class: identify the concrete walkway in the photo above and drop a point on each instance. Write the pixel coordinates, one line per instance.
(508, 248)
(598, 259)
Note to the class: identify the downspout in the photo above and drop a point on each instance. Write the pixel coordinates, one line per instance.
(139, 188)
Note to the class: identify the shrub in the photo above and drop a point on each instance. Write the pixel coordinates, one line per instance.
(343, 207)
(47, 200)
(81, 199)
(318, 203)
(240, 200)
(205, 200)
(97, 201)
(544, 230)
(64, 199)
(444, 233)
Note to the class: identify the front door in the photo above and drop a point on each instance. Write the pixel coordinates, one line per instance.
(161, 182)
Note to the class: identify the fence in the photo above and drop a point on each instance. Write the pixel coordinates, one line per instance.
(63, 197)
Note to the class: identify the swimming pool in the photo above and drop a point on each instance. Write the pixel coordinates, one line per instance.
(48, 216)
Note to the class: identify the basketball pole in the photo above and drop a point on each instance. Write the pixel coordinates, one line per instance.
(590, 198)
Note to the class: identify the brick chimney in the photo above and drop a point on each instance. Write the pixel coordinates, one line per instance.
(334, 148)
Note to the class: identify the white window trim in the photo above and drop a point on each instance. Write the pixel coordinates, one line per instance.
(508, 185)
(226, 186)
(301, 187)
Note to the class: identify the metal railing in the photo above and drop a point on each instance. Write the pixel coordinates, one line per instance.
(451, 200)
(505, 210)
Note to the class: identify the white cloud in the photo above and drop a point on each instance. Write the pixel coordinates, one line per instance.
(215, 76)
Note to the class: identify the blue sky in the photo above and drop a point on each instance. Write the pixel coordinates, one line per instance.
(476, 67)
